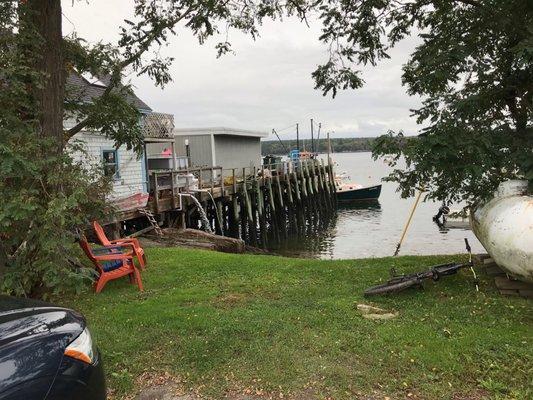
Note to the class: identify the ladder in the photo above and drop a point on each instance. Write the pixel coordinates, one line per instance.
(150, 216)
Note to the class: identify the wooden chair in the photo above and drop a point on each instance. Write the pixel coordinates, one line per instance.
(113, 264)
(129, 242)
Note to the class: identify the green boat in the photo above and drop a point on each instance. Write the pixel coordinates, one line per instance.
(349, 191)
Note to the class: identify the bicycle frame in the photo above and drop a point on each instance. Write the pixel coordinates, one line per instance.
(402, 282)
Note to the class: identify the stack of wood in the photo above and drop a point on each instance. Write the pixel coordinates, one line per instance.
(507, 285)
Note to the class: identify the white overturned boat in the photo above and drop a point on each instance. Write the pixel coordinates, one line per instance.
(504, 226)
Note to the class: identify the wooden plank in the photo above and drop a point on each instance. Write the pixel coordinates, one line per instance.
(488, 261)
(141, 232)
(493, 270)
(507, 292)
(528, 294)
(173, 189)
(156, 193)
(280, 193)
(503, 283)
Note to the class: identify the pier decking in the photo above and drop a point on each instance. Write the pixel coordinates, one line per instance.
(242, 202)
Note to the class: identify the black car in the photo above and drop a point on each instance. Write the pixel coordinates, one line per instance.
(46, 352)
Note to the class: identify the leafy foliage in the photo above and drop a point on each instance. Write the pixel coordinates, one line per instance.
(474, 70)
(45, 195)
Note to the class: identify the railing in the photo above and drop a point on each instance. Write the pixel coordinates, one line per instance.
(222, 181)
(158, 125)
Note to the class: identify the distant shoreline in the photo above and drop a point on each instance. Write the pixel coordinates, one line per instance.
(338, 145)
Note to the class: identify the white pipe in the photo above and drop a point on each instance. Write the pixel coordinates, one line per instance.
(205, 220)
(214, 205)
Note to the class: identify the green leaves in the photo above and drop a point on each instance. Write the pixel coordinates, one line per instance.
(45, 196)
(476, 73)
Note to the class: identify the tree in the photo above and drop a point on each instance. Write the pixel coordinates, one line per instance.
(47, 196)
(473, 68)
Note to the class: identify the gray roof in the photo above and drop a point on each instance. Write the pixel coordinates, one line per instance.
(219, 130)
(80, 89)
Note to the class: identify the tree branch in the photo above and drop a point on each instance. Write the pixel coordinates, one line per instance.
(115, 77)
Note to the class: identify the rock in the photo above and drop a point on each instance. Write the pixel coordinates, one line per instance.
(380, 316)
(375, 313)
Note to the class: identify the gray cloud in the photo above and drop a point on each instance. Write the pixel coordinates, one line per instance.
(266, 84)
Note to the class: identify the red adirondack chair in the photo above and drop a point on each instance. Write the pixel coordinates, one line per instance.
(129, 242)
(112, 265)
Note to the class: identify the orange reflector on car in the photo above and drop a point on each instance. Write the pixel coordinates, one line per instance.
(78, 355)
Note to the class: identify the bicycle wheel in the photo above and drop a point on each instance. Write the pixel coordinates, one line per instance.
(393, 287)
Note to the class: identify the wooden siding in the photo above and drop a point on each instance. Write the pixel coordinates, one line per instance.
(130, 180)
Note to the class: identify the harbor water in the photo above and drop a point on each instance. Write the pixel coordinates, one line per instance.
(373, 229)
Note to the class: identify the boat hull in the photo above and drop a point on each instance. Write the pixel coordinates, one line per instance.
(366, 193)
(504, 226)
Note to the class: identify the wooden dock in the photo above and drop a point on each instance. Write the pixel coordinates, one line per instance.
(245, 203)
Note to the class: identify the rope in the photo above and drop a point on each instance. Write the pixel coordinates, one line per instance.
(287, 127)
(282, 144)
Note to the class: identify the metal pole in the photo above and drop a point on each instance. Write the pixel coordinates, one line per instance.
(188, 152)
(298, 137)
(318, 137)
(329, 151)
(312, 139)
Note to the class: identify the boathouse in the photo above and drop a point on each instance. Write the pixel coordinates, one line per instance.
(225, 147)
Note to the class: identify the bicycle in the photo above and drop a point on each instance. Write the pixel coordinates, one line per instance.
(402, 282)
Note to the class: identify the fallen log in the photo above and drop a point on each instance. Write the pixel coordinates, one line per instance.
(198, 239)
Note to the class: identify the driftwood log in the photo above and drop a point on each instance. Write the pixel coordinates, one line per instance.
(198, 239)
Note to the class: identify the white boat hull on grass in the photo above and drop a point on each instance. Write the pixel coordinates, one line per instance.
(504, 226)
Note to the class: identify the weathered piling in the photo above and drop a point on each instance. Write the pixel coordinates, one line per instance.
(257, 205)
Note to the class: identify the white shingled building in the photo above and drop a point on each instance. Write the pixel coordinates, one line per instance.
(129, 173)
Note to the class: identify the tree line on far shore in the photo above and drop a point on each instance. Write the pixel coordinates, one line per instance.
(338, 145)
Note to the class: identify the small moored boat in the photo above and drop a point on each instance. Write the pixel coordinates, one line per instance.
(349, 191)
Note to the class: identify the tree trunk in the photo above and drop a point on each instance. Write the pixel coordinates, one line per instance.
(45, 16)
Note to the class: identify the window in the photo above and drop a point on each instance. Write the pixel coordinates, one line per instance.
(110, 163)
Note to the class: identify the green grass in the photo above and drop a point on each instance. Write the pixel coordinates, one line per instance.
(224, 323)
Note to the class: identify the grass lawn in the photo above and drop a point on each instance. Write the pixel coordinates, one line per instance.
(226, 323)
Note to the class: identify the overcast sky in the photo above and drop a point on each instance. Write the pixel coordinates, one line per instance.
(266, 84)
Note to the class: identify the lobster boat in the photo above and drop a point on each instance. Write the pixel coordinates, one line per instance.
(348, 191)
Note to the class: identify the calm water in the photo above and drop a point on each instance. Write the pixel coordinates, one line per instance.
(373, 230)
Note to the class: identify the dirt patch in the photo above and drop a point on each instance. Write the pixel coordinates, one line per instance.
(160, 386)
(479, 394)
(163, 392)
(230, 300)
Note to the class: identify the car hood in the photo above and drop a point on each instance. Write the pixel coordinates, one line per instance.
(33, 338)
